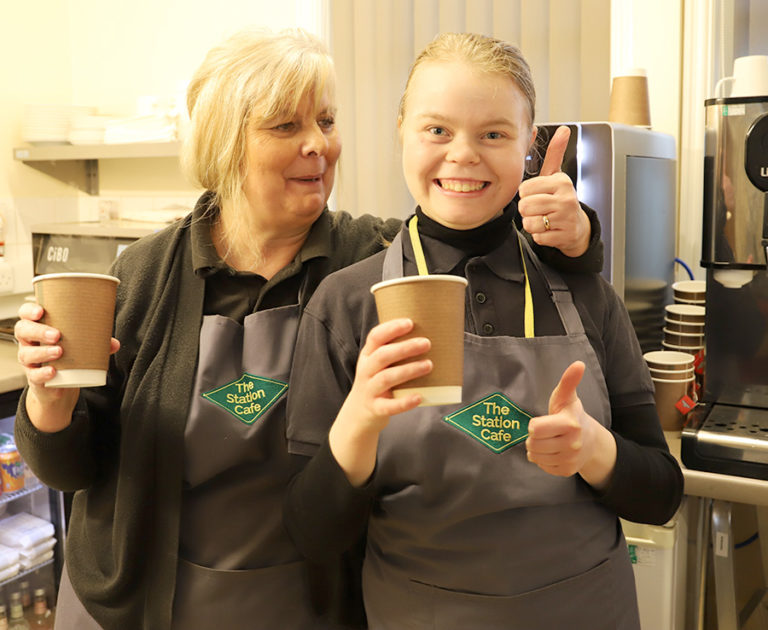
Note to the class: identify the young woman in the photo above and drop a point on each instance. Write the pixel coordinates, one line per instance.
(470, 528)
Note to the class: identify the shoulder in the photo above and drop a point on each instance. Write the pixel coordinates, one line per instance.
(343, 303)
(592, 293)
(149, 250)
(350, 285)
(355, 238)
(144, 266)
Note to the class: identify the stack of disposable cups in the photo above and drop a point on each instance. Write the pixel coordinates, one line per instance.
(674, 386)
(690, 292)
(684, 323)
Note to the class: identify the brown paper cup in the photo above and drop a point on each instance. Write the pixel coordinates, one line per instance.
(667, 393)
(683, 340)
(82, 307)
(435, 304)
(629, 101)
(690, 291)
(683, 327)
(667, 360)
(672, 375)
(688, 313)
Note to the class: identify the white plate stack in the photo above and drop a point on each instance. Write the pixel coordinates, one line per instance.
(150, 128)
(30, 536)
(50, 124)
(88, 129)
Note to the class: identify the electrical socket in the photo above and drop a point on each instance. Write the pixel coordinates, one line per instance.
(6, 276)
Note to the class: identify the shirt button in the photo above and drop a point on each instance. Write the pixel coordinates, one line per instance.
(480, 297)
(488, 328)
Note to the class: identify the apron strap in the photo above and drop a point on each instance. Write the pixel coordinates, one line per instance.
(393, 259)
(528, 308)
(418, 251)
(561, 295)
(559, 292)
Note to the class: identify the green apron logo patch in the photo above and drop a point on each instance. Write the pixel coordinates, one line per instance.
(248, 397)
(495, 421)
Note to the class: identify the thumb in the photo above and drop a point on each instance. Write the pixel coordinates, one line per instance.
(553, 159)
(565, 392)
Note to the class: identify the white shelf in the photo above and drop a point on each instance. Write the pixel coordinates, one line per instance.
(78, 164)
(56, 152)
(7, 497)
(25, 572)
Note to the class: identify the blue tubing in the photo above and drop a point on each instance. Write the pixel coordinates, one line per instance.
(686, 267)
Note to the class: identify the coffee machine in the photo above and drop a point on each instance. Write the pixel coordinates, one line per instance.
(728, 431)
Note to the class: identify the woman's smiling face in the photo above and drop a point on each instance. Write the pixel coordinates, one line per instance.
(292, 163)
(465, 136)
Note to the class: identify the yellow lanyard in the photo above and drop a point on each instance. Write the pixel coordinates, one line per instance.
(421, 265)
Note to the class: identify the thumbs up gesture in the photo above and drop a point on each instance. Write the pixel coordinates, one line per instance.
(568, 440)
(549, 206)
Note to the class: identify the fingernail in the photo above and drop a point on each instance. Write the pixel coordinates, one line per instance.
(54, 352)
(50, 335)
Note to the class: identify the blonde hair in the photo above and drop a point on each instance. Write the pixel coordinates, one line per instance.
(255, 75)
(485, 54)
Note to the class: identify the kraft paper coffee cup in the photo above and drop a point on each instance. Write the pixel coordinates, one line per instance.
(684, 327)
(682, 339)
(668, 360)
(82, 307)
(666, 394)
(690, 291)
(689, 313)
(435, 304)
(629, 102)
(672, 375)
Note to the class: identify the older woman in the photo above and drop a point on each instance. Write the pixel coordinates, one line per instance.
(179, 464)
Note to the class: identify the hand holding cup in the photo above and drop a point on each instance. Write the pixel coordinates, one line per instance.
(42, 349)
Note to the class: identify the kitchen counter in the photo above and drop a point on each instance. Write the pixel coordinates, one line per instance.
(11, 373)
(732, 488)
(116, 228)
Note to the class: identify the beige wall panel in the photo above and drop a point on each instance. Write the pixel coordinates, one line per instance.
(595, 59)
(564, 60)
(451, 16)
(506, 20)
(534, 42)
(479, 17)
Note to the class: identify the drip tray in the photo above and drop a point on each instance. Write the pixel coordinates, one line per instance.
(726, 439)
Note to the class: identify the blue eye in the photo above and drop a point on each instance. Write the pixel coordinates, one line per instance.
(493, 135)
(286, 126)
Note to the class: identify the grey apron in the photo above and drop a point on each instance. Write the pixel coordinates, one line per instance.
(70, 612)
(467, 533)
(238, 568)
(238, 466)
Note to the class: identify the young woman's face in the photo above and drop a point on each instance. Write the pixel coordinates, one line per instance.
(292, 164)
(465, 136)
